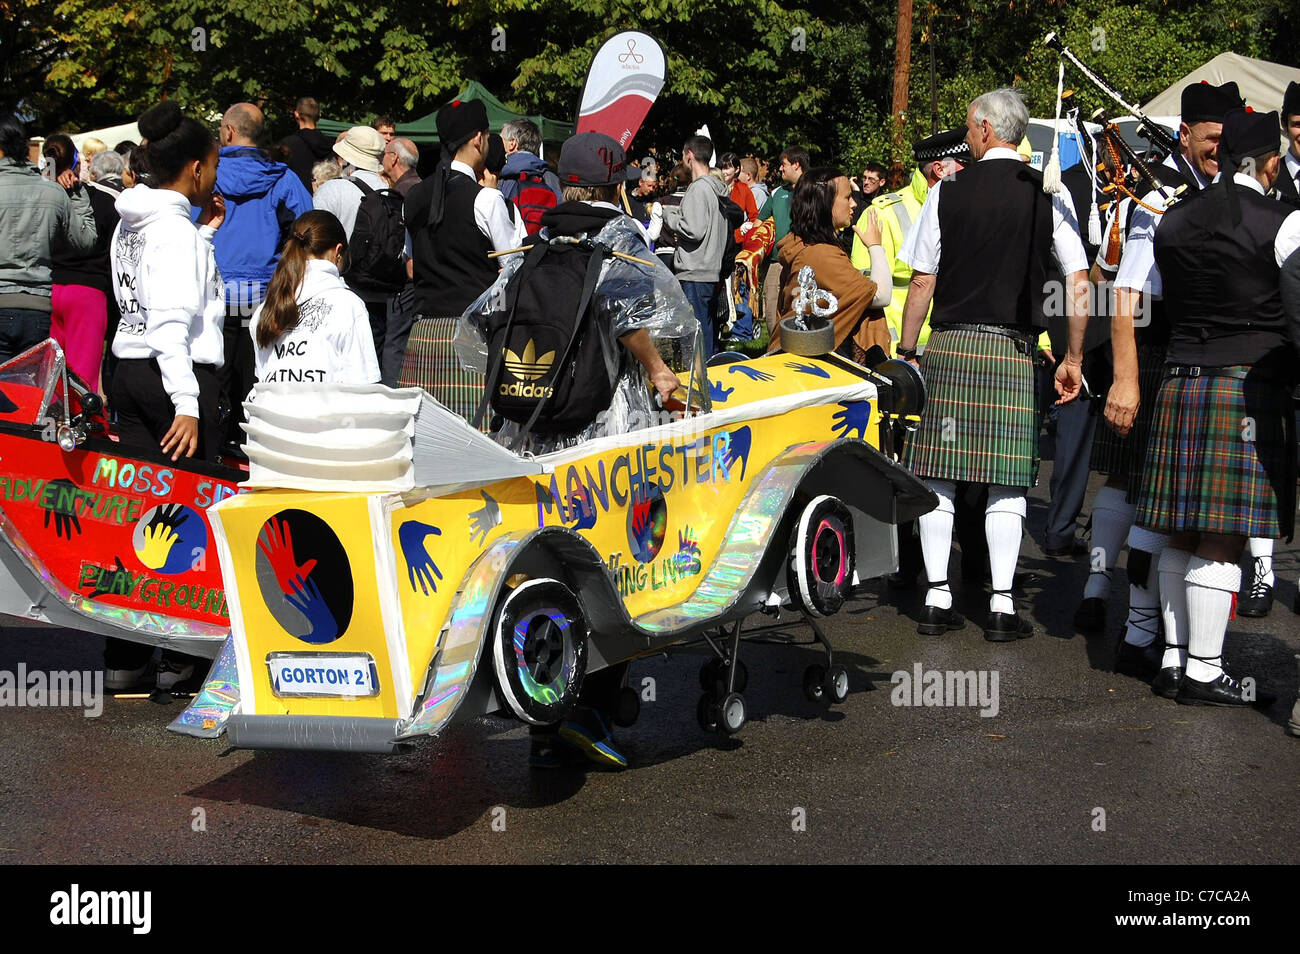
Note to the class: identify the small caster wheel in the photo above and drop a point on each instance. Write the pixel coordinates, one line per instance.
(837, 684)
(627, 707)
(731, 713)
(710, 672)
(814, 682)
(706, 713)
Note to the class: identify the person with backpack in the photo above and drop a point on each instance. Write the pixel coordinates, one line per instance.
(526, 180)
(312, 327)
(374, 222)
(564, 307)
(262, 198)
(603, 318)
(455, 224)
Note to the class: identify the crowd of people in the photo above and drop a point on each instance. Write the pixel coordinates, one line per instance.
(179, 272)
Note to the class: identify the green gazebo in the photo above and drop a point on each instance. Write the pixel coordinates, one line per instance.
(424, 132)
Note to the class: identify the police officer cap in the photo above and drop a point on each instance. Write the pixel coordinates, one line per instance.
(1291, 101)
(950, 144)
(1248, 135)
(1203, 103)
(459, 120)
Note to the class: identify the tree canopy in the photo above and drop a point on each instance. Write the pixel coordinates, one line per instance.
(761, 73)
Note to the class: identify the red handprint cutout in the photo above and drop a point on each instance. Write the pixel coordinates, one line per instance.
(279, 552)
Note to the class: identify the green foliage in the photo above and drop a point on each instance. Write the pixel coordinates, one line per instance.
(761, 73)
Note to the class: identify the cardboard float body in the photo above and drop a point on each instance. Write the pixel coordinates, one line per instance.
(360, 619)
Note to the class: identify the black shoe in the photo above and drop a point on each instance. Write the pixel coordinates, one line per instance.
(1224, 691)
(1007, 628)
(1167, 681)
(1074, 547)
(934, 621)
(1091, 615)
(1258, 603)
(1140, 662)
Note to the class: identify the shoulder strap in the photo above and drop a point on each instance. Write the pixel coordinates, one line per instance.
(588, 288)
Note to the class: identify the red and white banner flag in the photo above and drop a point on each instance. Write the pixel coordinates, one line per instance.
(624, 80)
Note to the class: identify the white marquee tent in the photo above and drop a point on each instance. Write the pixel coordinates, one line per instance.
(1261, 82)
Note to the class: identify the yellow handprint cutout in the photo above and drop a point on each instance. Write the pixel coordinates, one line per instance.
(158, 540)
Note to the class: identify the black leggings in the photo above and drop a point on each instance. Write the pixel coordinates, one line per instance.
(145, 411)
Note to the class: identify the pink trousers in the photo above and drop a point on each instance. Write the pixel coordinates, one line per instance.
(78, 322)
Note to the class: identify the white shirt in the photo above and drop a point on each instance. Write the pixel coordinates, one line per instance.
(1291, 167)
(343, 198)
(921, 250)
(1139, 261)
(491, 215)
(169, 290)
(332, 341)
(1285, 242)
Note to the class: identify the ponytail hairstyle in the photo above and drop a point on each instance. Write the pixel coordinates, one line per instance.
(810, 209)
(312, 235)
(60, 150)
(173, 141)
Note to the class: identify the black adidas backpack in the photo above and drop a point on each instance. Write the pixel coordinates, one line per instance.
(377, 249)
(549, 365)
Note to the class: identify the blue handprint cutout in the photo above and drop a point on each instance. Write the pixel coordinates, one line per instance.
(738, 450)
(808, 369)
(852, 418)
(307, 600)
(582, 509)
(719, 393)
(419, 565)
(754, 374)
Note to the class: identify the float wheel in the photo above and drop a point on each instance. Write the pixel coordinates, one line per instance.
(822, 557)
(539, 650)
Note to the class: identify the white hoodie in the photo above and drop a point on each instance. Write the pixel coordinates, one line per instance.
(332, 341)
(169, 290)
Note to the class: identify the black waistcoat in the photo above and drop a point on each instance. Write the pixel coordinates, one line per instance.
(451, 265)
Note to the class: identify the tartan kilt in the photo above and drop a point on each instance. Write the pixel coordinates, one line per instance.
(980, 422)
(431, 363)
(1118, 456)
(1204, 474)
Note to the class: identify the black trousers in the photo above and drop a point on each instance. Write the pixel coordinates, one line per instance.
(236, 377)
(145, 412)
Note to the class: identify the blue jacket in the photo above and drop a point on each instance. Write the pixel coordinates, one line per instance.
(261, 196)
(521, 161)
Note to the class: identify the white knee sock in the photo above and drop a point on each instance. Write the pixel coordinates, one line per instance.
(1143, 624)
(1210, 589)
(1173, 605)
(1262, 551)
(1112, 516)
(1004, 524)
(936, 542)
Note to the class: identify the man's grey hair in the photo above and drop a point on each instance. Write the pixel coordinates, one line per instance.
(105, 164)
(405, 156)
(1006, 112)
(526, 132)
(648, 169)
(245, 119)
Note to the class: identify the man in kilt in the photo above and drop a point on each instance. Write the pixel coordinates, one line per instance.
(454, 224)
(981, 250)
(1221, 458)
(1139, 337)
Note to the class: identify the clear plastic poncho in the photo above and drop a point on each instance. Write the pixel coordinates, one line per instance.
(629, 297)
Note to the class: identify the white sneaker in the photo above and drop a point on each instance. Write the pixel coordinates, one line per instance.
(170, 675)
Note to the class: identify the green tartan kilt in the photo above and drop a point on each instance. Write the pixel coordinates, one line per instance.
(1221, 458)
(431, 363)
(980, 422)
(1118, 456)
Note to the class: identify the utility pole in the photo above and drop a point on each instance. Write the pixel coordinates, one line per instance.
(902, 71)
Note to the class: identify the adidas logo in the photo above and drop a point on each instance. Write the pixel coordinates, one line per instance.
(528, 366)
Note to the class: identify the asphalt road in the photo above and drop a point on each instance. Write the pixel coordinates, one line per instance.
(1078, 764)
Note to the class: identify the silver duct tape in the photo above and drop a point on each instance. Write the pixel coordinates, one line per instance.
(746, 543)
(158, 628)
(206, 716)
(459, 645)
